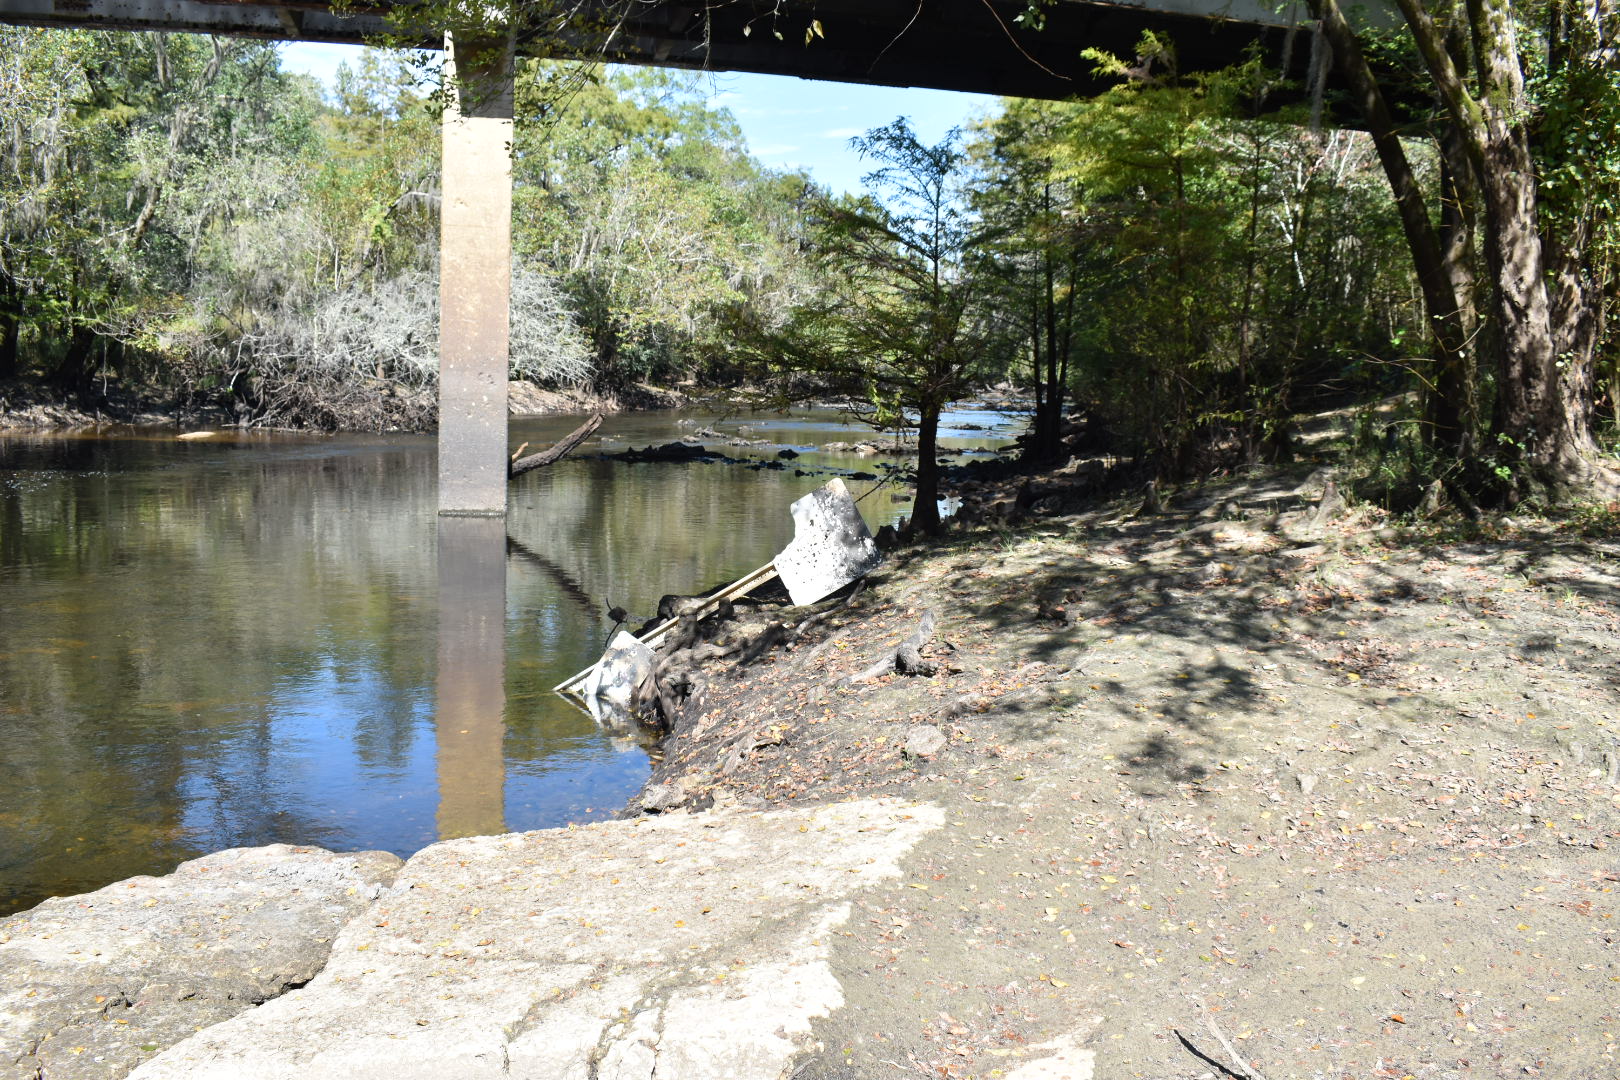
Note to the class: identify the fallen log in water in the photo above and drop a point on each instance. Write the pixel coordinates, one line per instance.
(562, 449)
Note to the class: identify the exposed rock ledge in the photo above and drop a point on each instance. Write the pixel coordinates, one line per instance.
(678, 946)
(94, 984)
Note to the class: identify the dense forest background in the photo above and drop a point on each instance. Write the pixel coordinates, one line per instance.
(1183, 262)
(180, 212)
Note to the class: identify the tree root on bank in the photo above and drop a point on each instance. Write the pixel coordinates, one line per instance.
(906, 657)
(809, 622)
(673, 692)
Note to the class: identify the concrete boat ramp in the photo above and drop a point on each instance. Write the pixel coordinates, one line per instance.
(685, 945)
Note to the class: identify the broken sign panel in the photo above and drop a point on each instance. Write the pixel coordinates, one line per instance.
(831, 545)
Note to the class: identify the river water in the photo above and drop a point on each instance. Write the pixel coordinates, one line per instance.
(260, 638)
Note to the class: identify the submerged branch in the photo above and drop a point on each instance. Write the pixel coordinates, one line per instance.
(561, 450)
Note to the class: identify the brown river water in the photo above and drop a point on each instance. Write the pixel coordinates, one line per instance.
(255, 638)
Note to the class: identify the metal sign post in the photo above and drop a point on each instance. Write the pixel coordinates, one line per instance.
(831, 547)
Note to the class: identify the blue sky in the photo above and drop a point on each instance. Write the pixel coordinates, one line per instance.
(789, 123)
(797, 123)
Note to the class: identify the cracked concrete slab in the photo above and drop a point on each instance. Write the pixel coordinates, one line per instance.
(1065, 1058)
(95, 984)
(684, 945)
(761, 1016)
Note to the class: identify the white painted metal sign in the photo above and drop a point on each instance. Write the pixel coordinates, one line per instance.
(831, 545)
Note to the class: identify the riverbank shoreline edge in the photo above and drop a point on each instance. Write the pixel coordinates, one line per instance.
(1232, 781)
(30, 406)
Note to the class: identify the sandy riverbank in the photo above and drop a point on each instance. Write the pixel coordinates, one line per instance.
(1338, 800)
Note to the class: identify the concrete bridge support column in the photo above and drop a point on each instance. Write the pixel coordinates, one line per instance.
(475, 268)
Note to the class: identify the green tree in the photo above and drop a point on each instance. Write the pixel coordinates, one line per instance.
(1041, 251)
(1529, 98)
(1215, 268)
(902, 319)
(120, 166)
(180, 210)
(644, 202)
(1161, 208)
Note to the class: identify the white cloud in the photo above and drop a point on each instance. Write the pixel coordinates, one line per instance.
(777, 150)
(843, 133)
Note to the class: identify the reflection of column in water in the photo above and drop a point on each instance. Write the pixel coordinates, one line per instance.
(472, 676)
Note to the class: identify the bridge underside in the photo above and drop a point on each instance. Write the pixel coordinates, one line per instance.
(966, 45)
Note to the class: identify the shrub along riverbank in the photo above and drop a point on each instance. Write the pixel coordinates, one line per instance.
(32, 406)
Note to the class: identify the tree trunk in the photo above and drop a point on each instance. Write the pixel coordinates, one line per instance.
(1035, 450)
(1451, 409)
(73, 373)
(1529, 402)
(1542, 421)
(1046, 432)
(1542, 412)
(925, 511)
(1248, 425)
(1581, 269)
(565, 446)
(1051, 443)
(1434, 278)
(1579, 319)
(10, 331)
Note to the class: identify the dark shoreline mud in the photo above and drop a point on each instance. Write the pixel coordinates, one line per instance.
(32, 406)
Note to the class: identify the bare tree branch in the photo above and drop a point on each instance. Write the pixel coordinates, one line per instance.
(557, 452)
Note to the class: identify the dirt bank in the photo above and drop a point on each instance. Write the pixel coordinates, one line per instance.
(1227, 792)
(29, 406)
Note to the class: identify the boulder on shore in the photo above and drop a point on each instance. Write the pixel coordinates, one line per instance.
(97, 984)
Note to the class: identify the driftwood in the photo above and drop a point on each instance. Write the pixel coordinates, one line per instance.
(684, 650)
(668, 703)
(905, 658)
(774, 634)
(562, 449)
(908, 654)
(692, 656)
(744, 748)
